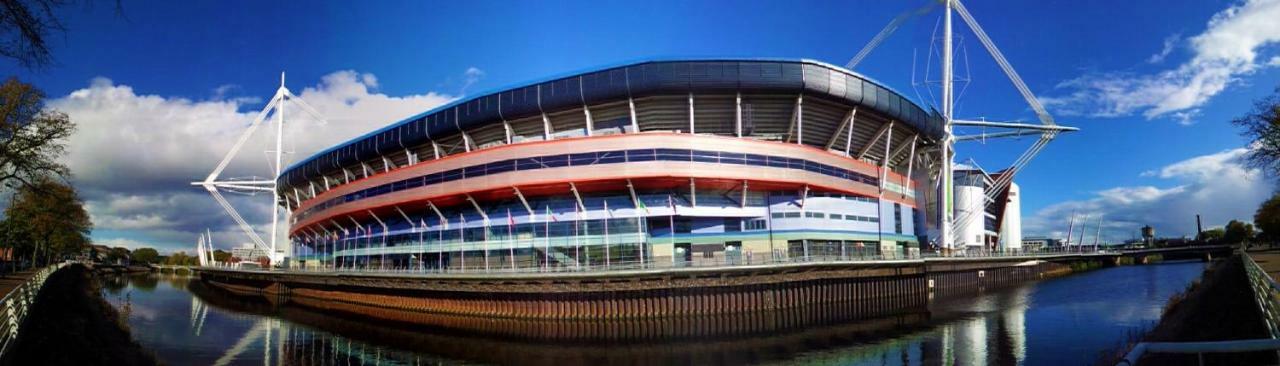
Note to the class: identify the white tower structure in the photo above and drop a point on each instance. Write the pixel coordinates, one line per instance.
(971, 199)
(215, 185)
(1011, 227)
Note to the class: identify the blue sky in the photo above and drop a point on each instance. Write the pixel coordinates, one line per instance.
(1102, 66)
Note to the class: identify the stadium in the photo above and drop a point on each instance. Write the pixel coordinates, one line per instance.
(652, 164)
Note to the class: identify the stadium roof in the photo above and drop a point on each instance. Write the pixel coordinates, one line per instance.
(633, 80)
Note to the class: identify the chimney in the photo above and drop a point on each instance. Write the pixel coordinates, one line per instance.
(1199, 229)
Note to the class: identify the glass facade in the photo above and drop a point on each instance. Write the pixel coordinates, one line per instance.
(590, 159)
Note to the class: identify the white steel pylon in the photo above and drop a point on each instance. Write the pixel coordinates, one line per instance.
(1047, 129)
(214, 185)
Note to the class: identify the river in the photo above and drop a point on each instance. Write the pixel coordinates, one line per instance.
(1069, 320)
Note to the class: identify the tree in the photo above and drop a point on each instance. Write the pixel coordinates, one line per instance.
(220, 255)
(1212, 235)
(1267, 219)
(47, 220)
(180, 259)
(118, 255)
(1262, 127)
(25, 25)
(1237, 232)
(32, 138)
(146, 255)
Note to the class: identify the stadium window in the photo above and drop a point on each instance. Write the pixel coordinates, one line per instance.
(706, 156)
(612, 157)
(732, 224)
(897, 218)
(777, 215)
(500, 166)
(836, 217)
(582, 159)
(528, 164)
(778, 162)
(756, 224)
(792, 215)
(672, 154)
(452, 175)
(732, 158)
(814, 215)
(640, 155)
(553, 161)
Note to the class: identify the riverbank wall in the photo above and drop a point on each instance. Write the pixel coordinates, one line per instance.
(873, 288)
(71, 324)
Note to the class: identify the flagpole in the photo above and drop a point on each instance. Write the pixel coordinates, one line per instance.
(606, 234)
(485, 225)
(546, 237)
(511, 240)
(640, 231)
(440, 251)
(672, 221)
(422, 259)
(368, 243)
(640, 221)
(577, 253)
(462, 250)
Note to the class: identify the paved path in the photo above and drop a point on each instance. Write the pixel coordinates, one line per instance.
(9, 281)
(1269, 261)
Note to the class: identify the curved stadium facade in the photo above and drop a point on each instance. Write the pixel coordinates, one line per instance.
(666, 163)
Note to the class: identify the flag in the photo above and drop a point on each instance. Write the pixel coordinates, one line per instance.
(511, 220)
(671, 202)
(640, 205)
(550, 217)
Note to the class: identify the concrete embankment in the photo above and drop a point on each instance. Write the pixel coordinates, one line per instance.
(71, 324)
(636, 295)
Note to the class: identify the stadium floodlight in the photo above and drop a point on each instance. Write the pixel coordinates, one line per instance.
(214, 185)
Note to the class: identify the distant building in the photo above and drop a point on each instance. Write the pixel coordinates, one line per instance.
(249, 253)
(1033, 243)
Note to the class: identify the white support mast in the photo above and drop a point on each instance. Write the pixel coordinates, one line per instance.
(214, 185)
(947, 242)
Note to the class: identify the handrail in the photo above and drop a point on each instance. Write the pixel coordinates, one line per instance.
(15, 305)
(1199, 348)
(1264, 294)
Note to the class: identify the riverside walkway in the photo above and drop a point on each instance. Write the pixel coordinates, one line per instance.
(11, 281)
(1269, 261)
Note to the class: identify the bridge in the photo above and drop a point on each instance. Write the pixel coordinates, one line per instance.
(171, 268)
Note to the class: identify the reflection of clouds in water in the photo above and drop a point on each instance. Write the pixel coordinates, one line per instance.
(143, 312)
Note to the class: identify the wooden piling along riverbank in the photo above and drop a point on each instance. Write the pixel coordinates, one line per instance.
(870, 288)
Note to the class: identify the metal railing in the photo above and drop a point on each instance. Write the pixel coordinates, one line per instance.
(500, 264)
(15, 305)
(1265, 292)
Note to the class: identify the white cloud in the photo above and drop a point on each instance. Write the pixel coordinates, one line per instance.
(1217, 186)
(134, 154)
(471, 76)
(1169, 43)
(1227, 50)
